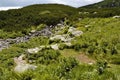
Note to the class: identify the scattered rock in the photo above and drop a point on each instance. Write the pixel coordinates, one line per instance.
(68, 43)
(22, 65)
(77, 33)
(62, 38)
(74, 31)
(6, 43)
(95, 12)
(33, 31)
(34, 50)
(55, 46)
(86, 26)
(116, 16)
(71, 29)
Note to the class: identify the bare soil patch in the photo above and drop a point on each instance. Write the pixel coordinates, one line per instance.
(85, 59)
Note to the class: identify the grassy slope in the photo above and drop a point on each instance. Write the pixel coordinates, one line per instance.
(34, 15)
(99, 31)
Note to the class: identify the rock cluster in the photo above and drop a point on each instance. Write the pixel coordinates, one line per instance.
(6, 43)
(74, 31)
(22, 65)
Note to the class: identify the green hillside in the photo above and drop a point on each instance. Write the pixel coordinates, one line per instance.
(105, 4)
(106, 8)
(50, 14)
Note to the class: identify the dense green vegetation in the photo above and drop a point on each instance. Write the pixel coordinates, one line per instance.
(50, 14)
(105, 8)
(98, 12)
(20, 22)
(105, 4)
(100, 42)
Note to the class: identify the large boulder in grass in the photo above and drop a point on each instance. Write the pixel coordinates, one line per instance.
(22, 65)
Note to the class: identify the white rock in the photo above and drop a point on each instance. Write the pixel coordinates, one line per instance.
(34, 50)
(74, 31)
(116, 16)
(20, 60)
(95, 13)
(42, 47)
(23, 67)
(71, 29)
(87, 26)
(55, 46)
(32, 31)
(68, 44)
(21, 57)
(90, 63)
(77, 33)
(62, 38)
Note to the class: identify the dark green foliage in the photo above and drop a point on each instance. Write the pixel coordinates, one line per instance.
(106, 8)
(115, 59)
(77, 47)
(21, 19)
(66, 66)
(101, 67)
(105, 4)
(44, 56)
(62, 46)
(95, 13)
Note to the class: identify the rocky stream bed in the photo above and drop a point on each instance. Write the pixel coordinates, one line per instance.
(6, 43)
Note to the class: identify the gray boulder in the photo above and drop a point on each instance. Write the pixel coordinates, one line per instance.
(22, 65)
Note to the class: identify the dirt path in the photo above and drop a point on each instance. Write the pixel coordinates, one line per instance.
(81, 57)
(84, 59)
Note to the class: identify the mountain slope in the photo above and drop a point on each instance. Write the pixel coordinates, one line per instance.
(106, 8)
(105, 4)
